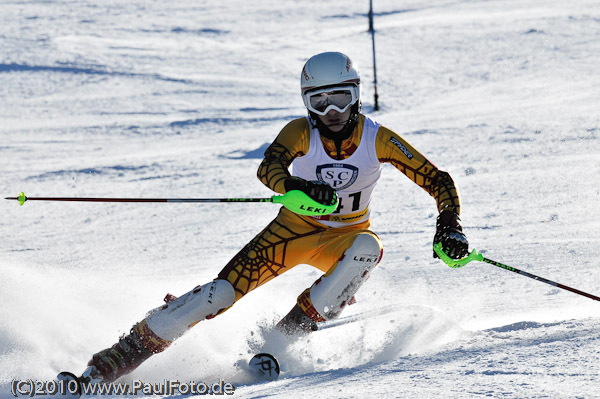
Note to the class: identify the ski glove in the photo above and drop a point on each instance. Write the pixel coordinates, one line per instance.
(318, 190)
(449, 233)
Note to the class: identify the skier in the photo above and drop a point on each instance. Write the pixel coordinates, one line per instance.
(334, 150)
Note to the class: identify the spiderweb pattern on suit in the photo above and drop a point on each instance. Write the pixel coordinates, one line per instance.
(437, 183)
(264, 258)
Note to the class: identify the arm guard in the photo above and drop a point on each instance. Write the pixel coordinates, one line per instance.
(443, 189)
(293, 141)
(273, 170)
(393, 149)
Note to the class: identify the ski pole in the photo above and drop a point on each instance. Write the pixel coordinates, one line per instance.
(323, 325)
(475, 255)
(294, 200)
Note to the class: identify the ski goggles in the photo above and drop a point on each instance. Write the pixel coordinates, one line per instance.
(324, 100)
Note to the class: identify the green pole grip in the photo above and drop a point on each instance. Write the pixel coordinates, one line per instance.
(456, 263)
(300, 203)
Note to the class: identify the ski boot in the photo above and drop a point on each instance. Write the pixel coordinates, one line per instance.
(108, 365)
(120, 359)
(296, 323)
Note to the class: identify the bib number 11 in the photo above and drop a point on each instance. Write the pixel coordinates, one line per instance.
(355, 202)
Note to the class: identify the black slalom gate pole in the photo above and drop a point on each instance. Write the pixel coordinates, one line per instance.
(372, 30)
(475, 255)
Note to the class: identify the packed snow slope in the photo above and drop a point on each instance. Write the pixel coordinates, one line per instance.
(179, 99)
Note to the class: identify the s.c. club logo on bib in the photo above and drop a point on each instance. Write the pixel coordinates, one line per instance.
(338, 175)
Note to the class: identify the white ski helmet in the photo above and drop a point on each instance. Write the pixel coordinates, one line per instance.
(328, 70)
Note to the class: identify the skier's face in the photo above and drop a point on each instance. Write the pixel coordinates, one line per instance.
(334, 120)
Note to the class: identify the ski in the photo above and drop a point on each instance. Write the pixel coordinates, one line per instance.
(265, 367)
(73, 386)
(70, 383)
(323, 325)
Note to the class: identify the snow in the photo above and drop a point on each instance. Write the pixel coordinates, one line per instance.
(159, 99)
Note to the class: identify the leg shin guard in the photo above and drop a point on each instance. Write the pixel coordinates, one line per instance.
(329, 295)
(332, 292)
(176, 317)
